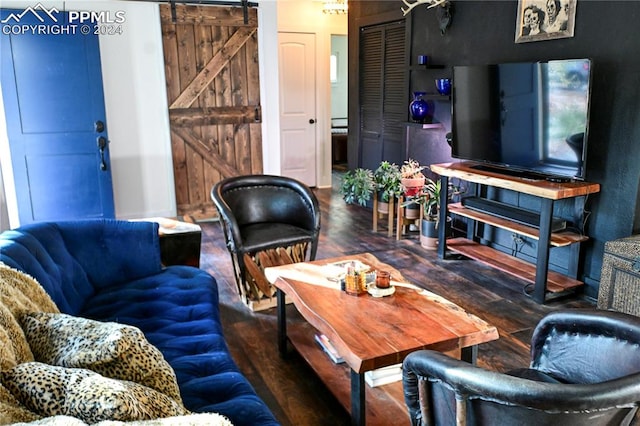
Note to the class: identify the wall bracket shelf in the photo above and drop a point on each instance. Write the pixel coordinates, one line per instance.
(425, 126)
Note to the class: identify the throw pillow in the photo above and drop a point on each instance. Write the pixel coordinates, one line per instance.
(52, 390)
(114, 350)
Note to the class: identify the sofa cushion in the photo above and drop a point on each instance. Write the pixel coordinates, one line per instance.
(52, 390)
(114, 350)
(178, 312)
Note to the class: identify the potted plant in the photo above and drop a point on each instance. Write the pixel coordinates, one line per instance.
(431, 212)
(430, 200)
(412, 178)
(387, 184)
(357, 186)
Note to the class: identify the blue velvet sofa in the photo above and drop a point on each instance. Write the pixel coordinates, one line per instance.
(110, 270)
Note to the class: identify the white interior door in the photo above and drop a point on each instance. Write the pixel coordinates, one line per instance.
(297, 52)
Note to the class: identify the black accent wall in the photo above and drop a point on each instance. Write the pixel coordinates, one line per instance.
(484, 32)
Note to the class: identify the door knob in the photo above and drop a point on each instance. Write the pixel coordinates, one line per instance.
(99, 126)
(311, 121)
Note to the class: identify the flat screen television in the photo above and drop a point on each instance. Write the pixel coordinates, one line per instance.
(529, 119)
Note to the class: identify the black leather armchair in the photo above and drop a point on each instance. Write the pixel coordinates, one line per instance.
(584, 370)
(267, 220)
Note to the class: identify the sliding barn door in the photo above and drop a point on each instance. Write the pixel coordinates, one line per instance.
(213, 89)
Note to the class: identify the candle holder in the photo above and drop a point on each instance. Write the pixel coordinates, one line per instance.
(383, 279)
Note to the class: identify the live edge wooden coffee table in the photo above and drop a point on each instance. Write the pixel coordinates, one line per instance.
(369, 332)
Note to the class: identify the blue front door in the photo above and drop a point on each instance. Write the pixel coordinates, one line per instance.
(56, 124)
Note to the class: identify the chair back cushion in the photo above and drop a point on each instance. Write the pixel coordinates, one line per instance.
(264, 211)
(575, 346)
(272, 199)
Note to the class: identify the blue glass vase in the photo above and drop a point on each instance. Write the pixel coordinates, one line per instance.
(419, 108)
(444, 86)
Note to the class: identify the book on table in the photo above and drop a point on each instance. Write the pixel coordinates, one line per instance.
(377, 377)
(328, 348)
(384, 375)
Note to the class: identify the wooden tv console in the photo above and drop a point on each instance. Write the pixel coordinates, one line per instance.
(545, 281)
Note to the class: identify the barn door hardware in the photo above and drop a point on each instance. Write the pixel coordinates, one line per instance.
(174, 15)
(245, 4)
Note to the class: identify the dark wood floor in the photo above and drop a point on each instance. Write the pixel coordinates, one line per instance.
(290, 388)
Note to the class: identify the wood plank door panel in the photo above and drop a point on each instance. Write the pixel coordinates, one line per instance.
(213, 89)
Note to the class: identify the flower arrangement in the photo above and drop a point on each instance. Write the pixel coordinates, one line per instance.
(412, 178)
(411, 169)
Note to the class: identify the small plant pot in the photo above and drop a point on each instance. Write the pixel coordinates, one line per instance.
(429, 233)
(412, 186)
(383, 206)
(412, 211)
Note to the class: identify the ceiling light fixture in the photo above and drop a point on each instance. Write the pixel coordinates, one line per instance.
(336, 7)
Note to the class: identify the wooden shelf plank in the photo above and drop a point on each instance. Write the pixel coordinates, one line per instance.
(541, 188)
(558, 239)
(426, 67)
(425, 126)
(384, 404)
(556, 282)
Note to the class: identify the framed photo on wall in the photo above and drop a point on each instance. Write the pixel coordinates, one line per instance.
(545, 20)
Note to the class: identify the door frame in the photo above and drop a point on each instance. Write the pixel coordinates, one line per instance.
(323, 26)
(16, 207)
(9, 200)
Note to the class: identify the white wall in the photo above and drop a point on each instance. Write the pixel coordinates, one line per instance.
(137, 115)
(340, 88)
(269, 85)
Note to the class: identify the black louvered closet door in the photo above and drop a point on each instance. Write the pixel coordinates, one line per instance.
(383, 101)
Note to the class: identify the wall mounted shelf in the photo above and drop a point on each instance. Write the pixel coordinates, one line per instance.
(425, 126)
(436, 97)
(426, 67)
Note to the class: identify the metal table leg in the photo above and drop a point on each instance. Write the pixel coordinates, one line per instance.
(282, 323)
(469, 354)
(358, 417)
